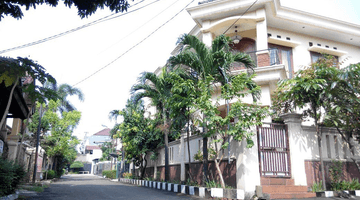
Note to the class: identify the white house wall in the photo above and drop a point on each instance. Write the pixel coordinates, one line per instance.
(301, 54)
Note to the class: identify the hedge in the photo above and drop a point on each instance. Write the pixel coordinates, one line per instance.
(109, 174)
(10, 176)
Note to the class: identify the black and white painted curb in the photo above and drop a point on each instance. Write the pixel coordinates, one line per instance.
(190, 190)
(10, 197)
(338, 193)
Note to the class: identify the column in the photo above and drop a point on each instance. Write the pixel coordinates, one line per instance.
(263, 57)
(207, 36)
(293, 122)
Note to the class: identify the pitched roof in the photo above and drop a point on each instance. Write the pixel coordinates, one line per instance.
(105, 132)
(91, 147)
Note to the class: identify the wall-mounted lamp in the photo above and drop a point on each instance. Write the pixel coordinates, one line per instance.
(237, 39)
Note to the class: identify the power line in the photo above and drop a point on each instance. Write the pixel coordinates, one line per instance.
(139, 27)
(106, 18)
(241, 16)
(133, 46)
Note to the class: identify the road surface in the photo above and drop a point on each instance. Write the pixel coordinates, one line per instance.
(84, 186)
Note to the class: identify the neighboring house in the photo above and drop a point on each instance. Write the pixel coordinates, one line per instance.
(281, 40)
(95, 139)
(9, 136)
(90, 149)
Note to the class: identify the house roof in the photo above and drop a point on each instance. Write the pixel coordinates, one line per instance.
(91, 147)
(227, 12)
(105, 132)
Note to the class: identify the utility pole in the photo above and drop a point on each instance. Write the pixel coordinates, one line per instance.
(37, 144)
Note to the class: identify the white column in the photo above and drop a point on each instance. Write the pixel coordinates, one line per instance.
(207, 36)
(293, 121)
(261, 31)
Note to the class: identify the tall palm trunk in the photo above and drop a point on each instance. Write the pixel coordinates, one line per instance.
(205, 153)
(188, 146)
(166, 135)
(9, 102)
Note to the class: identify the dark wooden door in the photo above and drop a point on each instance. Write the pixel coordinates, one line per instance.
(274, 151)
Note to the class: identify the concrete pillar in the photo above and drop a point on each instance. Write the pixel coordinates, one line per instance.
(263, 57)
(207, 36)
(261, 31)
(293, 122)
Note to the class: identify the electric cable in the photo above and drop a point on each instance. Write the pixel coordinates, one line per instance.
(97, 71)
(138, 27)
(241, 16)
(103, 19)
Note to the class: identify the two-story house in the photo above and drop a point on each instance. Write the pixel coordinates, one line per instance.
(280, 40)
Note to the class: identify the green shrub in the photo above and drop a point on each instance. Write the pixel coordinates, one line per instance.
(317, 187)
(336, 174)
(10, 176)
(109, 174)
(354, 184)
(51, 174)
(127, 175)
(76, 164)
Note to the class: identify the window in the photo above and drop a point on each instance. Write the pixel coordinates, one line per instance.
(315, 56)
(282, 55)
(171, 154)
(328, 146)
(337, 155)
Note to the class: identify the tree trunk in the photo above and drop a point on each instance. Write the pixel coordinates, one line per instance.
(37, 144)
(188, 146)
(22, 133)
(9, 102)
(143, 168)
(205, 153)
(166, 135)
(217, 165)
(320, 147)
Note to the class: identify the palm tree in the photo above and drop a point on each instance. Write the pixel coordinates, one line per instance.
(201, 61)
(63, 91)
(158, 89)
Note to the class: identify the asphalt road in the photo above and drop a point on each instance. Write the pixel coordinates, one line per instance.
(90, 187)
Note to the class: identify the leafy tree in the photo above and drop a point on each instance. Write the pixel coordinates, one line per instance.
(246, 116)
(158, 89)
(14, 69)
(107, 149)
(200, 62)
(85, 8)
(308, 90)
(343, 105)
(58, 140)
(139, 135)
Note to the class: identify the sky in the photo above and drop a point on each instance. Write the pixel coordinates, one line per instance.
(75, 56)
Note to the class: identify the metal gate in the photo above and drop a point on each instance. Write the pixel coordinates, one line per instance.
(274, 152)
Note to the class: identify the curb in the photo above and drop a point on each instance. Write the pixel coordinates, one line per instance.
(338, 193)
(189, 190)
(10, 196)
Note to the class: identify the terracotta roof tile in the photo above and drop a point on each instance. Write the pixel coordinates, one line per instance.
(105, 132)
(91, 147)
